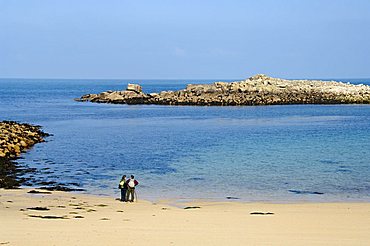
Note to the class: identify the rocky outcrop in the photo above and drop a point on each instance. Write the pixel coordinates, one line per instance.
(15, 138)
(257, 90)
(120, 97)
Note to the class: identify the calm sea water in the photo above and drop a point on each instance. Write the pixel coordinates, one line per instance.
(261, 153)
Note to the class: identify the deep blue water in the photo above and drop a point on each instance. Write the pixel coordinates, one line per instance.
(259, 153)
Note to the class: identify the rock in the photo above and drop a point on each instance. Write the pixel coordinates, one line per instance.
(114, 96)
(193, 207)
(14, 139)
(23, 143)
(257, 90)
(134, 87)
(39, 192)
(39, 208)
(261, 213)
(60, 188)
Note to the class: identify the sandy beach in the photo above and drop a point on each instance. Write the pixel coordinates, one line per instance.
(75, 219)
(242, 123)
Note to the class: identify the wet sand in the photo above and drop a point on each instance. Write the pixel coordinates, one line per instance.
(61, 218)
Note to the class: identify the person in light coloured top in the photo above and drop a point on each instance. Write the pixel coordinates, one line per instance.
(131, 184)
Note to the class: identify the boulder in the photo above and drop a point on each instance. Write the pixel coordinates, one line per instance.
(114, 96)
(134, 87)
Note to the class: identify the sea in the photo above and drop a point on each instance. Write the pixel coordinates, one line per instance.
(283, 154)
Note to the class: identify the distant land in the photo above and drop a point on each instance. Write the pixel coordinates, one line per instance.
(257, 90)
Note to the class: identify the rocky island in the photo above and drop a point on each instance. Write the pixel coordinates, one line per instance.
(257, 90)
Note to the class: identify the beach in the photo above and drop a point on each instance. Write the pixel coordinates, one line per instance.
(242, 123)
(80, 219)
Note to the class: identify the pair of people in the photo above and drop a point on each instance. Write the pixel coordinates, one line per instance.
(128, 188)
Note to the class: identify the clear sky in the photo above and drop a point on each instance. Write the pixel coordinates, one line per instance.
(158, 39)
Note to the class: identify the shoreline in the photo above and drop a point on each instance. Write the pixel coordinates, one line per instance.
(288, 198)
(174, 200)
(16, 139)
(61, 218)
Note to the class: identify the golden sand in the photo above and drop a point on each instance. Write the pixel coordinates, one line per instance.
(74, 219)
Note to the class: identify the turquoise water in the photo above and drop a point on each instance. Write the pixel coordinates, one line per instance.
(262, 153)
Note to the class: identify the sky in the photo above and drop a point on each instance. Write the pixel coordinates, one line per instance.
(189, 39)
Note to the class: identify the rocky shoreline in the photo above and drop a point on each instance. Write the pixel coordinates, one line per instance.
(257, 90)
(16, 138)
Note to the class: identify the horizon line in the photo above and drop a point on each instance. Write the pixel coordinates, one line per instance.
(305, 78)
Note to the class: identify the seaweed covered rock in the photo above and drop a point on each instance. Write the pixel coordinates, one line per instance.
(15, 138)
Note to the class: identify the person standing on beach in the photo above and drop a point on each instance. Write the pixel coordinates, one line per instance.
(131, 184)
(123, 186)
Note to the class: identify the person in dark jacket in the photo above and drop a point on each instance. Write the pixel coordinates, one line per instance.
(131, 184)
(123, 186)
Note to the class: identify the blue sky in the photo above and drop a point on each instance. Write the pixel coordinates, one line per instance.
(141, 39)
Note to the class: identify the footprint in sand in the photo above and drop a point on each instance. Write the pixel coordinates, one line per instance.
(73, 205)
(48, 216)
(101, 205)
